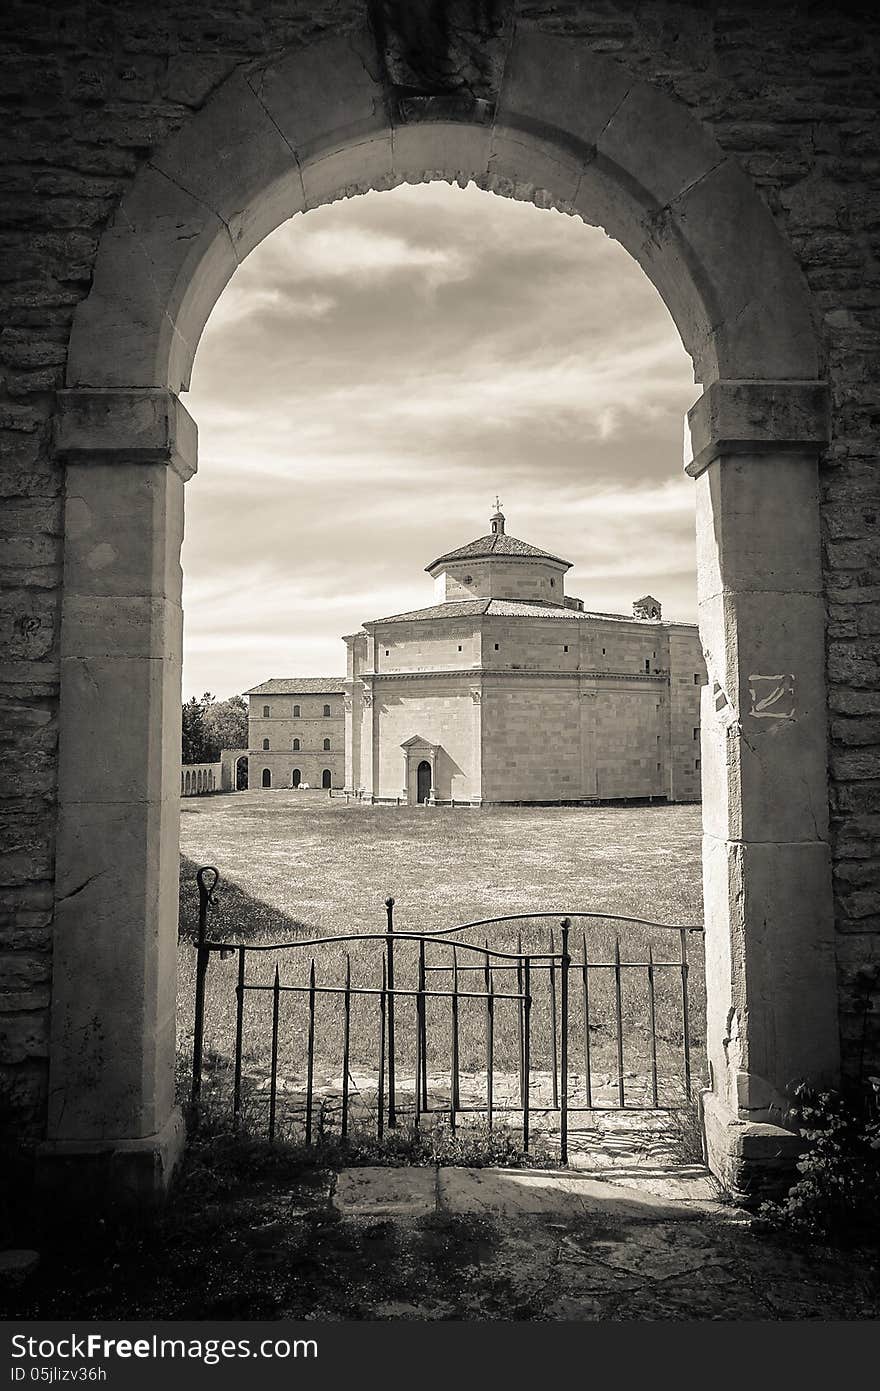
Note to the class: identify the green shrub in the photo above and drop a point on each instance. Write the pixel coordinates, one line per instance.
(836, 1198)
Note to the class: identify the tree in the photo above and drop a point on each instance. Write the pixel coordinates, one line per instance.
(226, 726)
(209, 725)
(193, 732)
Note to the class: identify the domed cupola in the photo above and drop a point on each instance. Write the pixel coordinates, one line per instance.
(498, 566)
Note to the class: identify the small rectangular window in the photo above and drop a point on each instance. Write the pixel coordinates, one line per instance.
(387, 653)
(696, 733)
(459, 647)
(647, 664)
(265, 712)
(565, 647)
(696, 678)
(496, 647)
(697, 765)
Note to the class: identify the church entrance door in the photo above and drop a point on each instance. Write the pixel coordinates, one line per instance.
(326, 778)
(423, 781)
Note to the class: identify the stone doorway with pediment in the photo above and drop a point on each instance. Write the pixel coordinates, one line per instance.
(420, 767)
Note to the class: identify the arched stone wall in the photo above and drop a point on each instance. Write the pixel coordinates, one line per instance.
(569, 130)
(565, 128)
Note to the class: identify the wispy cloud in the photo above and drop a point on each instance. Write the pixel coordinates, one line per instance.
(370, 377)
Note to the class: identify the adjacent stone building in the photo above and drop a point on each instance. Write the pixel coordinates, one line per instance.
(295, 733)
(507, 690)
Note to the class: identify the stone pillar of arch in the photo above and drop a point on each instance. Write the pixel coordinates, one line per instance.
(111, 1080)
(561, 127)
(770, 970)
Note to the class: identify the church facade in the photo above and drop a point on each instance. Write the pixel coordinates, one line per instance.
(506, 689)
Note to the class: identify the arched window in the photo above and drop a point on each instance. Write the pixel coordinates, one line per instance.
(265, 712)
(295, 778)
(295, 745)
(326, 778)
(265, 743)
(199, 782)
(326, 710)
(327, 744)
(267, 778)
(187, 785)
(296, 712)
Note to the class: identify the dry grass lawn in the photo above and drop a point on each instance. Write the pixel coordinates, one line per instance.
(300, 865)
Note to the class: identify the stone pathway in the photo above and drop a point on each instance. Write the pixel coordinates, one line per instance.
(640, 1125)
(397, 1192)
(555, 1245)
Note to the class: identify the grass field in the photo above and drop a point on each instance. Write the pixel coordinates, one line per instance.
(295, 866)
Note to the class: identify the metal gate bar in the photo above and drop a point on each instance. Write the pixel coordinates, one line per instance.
(528, 966)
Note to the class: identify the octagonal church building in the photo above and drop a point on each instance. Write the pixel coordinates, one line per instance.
(506, 689)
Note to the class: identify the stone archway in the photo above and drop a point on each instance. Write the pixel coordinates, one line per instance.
(564, 128)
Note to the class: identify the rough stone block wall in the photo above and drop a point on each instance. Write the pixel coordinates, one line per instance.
(89, 89)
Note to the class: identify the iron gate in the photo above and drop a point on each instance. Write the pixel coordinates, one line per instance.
(442, 969)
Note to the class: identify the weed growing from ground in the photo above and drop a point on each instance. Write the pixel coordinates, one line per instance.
(836, 1198)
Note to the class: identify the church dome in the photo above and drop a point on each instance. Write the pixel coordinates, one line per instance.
(495, 545)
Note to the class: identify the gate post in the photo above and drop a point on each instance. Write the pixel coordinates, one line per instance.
(389, 940)
(203, 957)
(113, 1129)
(770, 958)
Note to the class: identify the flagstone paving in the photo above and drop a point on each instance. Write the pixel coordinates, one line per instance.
(556, 1245)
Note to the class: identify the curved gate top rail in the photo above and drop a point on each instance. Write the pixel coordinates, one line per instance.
(530, 967)
(206, 895)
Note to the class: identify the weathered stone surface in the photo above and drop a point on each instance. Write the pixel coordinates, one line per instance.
(792, 107)
(384, 1192)
(16, 1266)
(24, 1035)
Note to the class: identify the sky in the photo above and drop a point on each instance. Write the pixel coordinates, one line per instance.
(374, 374)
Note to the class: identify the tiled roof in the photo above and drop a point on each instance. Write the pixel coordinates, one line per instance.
(505, 608)
(456, 608)
(299, 685)
(496, 544)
